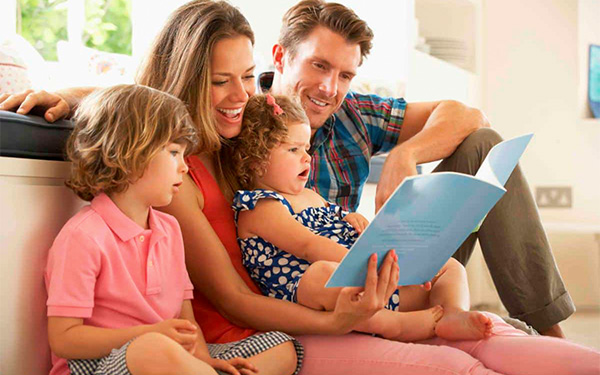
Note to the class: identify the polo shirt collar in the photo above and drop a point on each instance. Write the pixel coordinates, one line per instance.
(120, 223)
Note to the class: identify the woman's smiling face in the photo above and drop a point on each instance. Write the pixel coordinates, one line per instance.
(232, 82)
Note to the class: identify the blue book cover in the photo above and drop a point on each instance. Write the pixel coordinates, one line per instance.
(429, 216)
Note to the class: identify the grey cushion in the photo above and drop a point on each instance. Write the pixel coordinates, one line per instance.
(30, 136)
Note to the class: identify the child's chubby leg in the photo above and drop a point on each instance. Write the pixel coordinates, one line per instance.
(156, 354)
(399, 326)
(451, 291)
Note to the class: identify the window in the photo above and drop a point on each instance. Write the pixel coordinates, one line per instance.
(108, 25)
(101, 24)
(43, 23)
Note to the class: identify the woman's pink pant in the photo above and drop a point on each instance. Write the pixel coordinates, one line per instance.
(509, 351)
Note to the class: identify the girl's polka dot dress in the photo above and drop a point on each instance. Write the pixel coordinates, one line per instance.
(277, 272)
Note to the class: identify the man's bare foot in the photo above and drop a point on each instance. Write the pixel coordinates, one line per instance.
(414, 325)
(554, 331)
(464, 325)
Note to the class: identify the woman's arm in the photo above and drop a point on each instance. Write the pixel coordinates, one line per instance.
(213, 274)
(272, 221)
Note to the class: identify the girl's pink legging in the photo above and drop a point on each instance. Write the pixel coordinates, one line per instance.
(509, 352)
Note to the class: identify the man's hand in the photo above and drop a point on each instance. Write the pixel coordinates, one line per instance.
(358, 221)
(399, 164)
(51, 105)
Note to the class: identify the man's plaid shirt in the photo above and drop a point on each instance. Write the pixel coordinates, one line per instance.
(341, 150)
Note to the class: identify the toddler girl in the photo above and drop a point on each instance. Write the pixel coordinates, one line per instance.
(118, 290)
(292, 239)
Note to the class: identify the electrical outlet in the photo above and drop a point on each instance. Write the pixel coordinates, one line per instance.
(553, 196)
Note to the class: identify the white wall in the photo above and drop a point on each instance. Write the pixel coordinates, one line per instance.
(531, 83)
(8, 21)
(148, 18)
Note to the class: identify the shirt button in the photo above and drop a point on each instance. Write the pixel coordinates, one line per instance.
(151, 264)
(141, 238)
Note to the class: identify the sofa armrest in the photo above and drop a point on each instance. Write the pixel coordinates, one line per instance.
(32, 137)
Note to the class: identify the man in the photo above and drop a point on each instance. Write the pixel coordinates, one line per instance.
(320, 48)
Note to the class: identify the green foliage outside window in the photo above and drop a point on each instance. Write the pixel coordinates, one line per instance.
(108, 25)
(44, 22)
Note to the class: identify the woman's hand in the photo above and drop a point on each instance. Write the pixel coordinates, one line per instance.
(53, 106)
(234, 366)
(355, 304)
(358, 221)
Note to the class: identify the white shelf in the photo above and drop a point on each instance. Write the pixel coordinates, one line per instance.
(452, 19)
(421, 56)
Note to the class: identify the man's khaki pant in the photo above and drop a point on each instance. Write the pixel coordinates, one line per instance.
(513, 242)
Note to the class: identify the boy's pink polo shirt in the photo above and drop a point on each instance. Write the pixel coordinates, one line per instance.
(108, 270)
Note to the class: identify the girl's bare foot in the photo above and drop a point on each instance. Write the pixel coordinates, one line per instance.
(414, 325)
(464, 325)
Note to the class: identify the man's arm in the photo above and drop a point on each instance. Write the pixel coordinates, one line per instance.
(53, 106)
(430, 131)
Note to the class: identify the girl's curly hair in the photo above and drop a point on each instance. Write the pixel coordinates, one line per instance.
(262, 130)
(118, 130)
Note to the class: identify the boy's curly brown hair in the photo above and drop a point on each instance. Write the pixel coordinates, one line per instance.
(118, 130)
(262, 130)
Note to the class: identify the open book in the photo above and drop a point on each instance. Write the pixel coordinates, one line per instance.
(428, 217)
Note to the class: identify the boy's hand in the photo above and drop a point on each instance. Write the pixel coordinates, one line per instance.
(182, 331)
(358, 221)
(234, 366)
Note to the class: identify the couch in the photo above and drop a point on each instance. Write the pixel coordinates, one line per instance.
(35, 204)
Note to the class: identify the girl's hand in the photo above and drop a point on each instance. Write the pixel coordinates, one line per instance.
(358, 221)
(182, 331)
(355, 305)
(234, 366)
(52, 106)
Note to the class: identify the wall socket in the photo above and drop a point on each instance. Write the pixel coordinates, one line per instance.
(554, 197)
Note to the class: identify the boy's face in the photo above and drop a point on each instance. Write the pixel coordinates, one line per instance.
(162, 177)
(320, 73)
(289, 162)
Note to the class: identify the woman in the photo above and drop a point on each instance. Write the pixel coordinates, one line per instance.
(204, 57)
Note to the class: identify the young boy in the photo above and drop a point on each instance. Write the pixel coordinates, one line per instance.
(118, 290)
